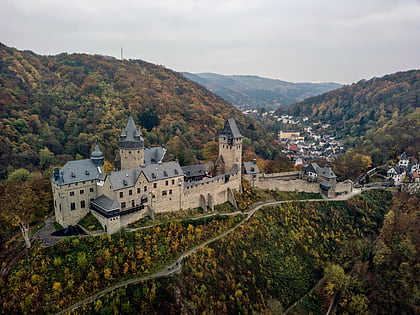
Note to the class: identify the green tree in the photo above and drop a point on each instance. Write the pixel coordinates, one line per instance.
(20, 175)
(46, 158)
(20, 204)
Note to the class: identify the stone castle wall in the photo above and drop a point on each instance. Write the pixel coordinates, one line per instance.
(76, 193)
(210, 192)
(296, 185)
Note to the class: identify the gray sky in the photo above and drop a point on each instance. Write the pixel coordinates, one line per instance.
(293, 40)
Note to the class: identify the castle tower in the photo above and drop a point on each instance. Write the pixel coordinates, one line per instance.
(230, 146)
(131, 146)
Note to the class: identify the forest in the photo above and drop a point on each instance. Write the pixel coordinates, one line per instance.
(265, 265)
(54, 108)
(361, 253)
(378, 117)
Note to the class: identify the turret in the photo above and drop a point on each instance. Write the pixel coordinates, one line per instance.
(97, 156)
(131, 146)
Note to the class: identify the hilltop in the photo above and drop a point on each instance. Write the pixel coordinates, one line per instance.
(53, 108)
(381, 116)
(250, 91)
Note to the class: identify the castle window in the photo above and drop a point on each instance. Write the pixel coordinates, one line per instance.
(145, 188)
(164, 192)
(82, 191)
(132, 203)
(154, 185)
(130, 192)
(121, 194)
(173, 182)
(71, 193)
(91, 189)
(170, 191)
(167, 183)
(129, 152)
(138, 190)
(123, 205)
(73, 206)
(82, 204)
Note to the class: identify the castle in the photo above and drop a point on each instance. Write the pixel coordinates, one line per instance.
(144, 185)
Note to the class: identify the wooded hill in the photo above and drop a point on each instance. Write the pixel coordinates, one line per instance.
(250, 91)
(380, 116)
(53, 108)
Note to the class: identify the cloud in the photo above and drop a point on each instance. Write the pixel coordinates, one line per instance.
(296, 40)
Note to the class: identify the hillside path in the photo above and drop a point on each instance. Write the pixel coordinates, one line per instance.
(177, 265)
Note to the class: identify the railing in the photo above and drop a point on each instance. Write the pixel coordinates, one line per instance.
(131, 210)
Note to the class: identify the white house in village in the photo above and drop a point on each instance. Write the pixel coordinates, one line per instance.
(407, 169)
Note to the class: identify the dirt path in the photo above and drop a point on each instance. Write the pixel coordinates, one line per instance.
(177, 265)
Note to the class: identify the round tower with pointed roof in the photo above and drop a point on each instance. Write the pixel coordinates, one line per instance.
(97, 156)
(131, 146)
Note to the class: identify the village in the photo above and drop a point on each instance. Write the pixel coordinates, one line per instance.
(304, 143)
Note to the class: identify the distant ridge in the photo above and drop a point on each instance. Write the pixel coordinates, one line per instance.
(251, 91)
(53, 108)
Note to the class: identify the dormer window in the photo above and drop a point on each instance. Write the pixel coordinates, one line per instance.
(165, 173)
(125, 182)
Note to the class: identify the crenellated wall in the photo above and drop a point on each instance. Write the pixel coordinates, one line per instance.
(210, 192)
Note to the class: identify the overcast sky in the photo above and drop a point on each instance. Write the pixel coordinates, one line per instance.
(293, 40)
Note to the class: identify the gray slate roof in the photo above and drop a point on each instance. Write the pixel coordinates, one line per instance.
(396, 169)
(311, 167)
(326, 172)
(161, 171)
(154, 155)
(106, 203)
(250, 168)
(131, 136)
(77, 171)
(128, 178)
(124, 178)
(194, 170)
(231, 130)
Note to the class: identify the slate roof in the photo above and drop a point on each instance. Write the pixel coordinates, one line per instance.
(194, 170)
(250, 168)
(162, 171)
(131, 136)
(326, 172)
(124, 178)
(231, 130)
(106, 203)
(396, 170)
(311, 167)
(154, 155)
(77, 171)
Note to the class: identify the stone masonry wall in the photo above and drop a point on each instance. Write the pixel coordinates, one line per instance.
(276, 183)
(210, 192)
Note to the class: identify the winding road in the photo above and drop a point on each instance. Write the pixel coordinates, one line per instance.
(177, 265)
